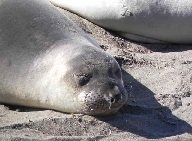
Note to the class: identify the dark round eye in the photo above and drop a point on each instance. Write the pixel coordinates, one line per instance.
(84, 79)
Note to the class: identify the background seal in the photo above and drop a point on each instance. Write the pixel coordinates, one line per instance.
(150, 21)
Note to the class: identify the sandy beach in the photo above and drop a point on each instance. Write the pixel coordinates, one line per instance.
(158, 79)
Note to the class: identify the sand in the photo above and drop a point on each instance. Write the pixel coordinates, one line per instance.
(158, 79)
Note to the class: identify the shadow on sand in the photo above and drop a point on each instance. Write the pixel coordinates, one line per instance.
(144, 116)
(166, 48)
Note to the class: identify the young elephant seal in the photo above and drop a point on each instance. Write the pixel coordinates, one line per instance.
(47, 62)
(152, 21)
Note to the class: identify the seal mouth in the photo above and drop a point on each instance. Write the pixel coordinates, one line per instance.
(95, 103)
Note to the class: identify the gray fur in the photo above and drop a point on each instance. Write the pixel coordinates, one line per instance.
(48, 62)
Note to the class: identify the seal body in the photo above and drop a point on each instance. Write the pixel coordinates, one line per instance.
(152, 21)
(48, 62)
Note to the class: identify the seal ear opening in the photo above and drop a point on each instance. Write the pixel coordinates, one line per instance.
(118, 72)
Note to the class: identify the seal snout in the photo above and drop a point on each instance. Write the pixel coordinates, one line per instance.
(106, 98)
(116, 98)
(115, 94)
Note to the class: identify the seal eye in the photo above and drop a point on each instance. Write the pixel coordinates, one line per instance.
(84, 79)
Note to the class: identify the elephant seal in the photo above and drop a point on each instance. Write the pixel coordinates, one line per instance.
(48, 62)
(150, 21)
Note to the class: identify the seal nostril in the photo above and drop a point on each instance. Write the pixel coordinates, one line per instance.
(112, 100)
(117, 97)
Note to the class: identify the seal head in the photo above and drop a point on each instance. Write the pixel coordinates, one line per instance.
(95, 79)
